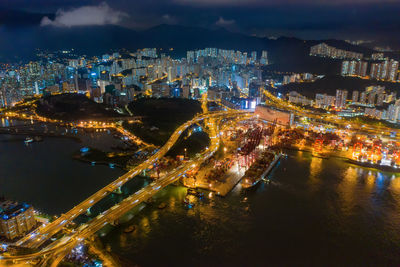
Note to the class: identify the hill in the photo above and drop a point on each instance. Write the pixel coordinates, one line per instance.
(161, 116)
(329, 84)
(286, 54)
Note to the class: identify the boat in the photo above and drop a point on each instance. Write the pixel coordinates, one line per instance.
(129, 229)
(188, 203)
(28, 140)
(84, 149)
(252, 178)
(193, 192)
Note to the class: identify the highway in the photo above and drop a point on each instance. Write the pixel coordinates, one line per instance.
(331, 118)
(58, 249)
(38, 237)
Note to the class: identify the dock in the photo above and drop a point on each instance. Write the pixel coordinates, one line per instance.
(232, 178)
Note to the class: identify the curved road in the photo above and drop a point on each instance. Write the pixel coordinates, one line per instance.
(39, 236)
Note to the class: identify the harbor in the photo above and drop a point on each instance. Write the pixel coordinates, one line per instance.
(304, 193)
(237, 175)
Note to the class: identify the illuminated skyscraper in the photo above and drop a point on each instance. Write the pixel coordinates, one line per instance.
(354, 97)
(341, 97)
(15, 219)
(264, 58)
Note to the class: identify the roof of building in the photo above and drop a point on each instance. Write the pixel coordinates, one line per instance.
(13, 210)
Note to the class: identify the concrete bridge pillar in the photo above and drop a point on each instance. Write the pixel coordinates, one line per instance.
(118, 190)
(115, 222)
(88, 212)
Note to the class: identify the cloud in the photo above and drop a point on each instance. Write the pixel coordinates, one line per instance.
(85, 16)
(222, 22)
(167, 18)
(258, 3)
(217, 2)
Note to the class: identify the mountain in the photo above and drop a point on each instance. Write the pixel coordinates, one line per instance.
(287, 54)
(330, 83)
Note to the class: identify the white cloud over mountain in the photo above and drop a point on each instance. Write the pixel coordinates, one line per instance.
(102, 14)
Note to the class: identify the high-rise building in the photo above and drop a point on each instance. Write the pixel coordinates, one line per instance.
(380, 98)
(392, 70)
(341, 97)
(345, 68)
(362, 70)
(363, 98)
(377, 56)
(354, 97)
(393, 112)
(264, 58)
(354, 68)
(387, 70)
(15, 219)
(190, 56)
(371, 98)
(324, 100)
(375, 72)
(325, 50)
(253, 57)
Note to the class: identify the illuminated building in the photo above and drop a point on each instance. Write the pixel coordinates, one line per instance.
(264, 58)
(377, 56)
(15, 219)
(386, 70)
(380, 98)
(297, 98)
(354, 68)
(341, 97)
(324, 50)
(371, 98)
(253, 58)
(345, 68)
(392, 70)
(375, 72)
(354, 97)
(271, 114)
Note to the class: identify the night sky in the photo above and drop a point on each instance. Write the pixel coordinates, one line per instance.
(309, 19)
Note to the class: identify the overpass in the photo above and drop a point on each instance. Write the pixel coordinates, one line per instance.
(330, 118)
(55, 252)
(38, 237)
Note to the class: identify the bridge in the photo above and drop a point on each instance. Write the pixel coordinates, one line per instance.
(56, 251)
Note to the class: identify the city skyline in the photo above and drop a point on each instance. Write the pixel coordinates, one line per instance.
(199, 133)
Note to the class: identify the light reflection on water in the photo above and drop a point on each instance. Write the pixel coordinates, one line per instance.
(45, 175)
(313, 212)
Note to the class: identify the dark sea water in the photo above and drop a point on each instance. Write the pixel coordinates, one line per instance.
(45, 175)
(315, 212)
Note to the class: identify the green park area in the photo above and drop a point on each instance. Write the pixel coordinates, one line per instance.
(160, 117)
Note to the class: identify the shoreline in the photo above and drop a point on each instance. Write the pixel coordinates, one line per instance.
(373, 166)
(349, 160)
